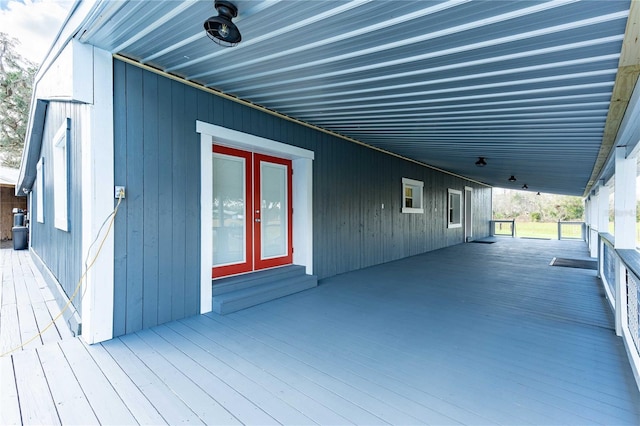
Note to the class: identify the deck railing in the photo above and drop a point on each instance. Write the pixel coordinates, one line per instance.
(619, 271)
(608, 268)
(633, 307)
(571, 231)
(503, 227)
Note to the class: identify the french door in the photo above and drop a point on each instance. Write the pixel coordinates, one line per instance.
(251, 212)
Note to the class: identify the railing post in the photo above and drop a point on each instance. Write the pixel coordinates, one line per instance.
(559, 231)
(513, 228)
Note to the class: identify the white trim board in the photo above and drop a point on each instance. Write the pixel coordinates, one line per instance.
(98, 203)
(302, 164)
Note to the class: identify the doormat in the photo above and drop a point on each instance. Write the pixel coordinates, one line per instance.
(482, 242)
(575, 263)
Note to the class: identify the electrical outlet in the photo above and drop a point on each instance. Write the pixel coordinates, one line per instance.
(119, 192)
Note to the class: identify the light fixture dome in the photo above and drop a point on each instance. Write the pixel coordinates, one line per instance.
(481, 162)
(525, 186)
(219, 28)
(512, 178)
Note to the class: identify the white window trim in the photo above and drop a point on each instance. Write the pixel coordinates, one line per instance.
(459, 194)
(419, 187)
(40, 191)
(61, 177)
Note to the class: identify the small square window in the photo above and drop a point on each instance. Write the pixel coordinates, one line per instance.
(454, 211)
(412, 196)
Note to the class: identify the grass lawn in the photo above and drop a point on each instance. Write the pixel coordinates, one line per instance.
(550, 230)
(537, 230)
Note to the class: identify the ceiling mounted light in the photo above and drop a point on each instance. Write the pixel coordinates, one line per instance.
(481, 162)
(538, 193)
(525, 186)
(512, 178)
(219, 28)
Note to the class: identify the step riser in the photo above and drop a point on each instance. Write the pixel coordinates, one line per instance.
(228, 285)
(246, 298)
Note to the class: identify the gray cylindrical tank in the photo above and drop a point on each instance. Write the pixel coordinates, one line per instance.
(20, 235)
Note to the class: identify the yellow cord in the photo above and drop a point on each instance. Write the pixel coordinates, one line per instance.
(87, 268)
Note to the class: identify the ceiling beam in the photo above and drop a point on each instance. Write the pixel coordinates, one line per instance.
(626, 79)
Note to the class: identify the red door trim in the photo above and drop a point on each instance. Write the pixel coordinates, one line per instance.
(247, 265)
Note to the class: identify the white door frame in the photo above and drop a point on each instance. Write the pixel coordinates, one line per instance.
(302, 164)
(468, 214)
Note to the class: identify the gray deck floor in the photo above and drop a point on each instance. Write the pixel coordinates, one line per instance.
(27, 306)
(472, 334)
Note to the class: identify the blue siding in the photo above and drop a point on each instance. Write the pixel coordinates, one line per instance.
(61, 251)
(157, 158)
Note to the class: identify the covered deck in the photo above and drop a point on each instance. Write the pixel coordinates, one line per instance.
(471, 334)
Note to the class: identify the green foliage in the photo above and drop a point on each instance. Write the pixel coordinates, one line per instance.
(16, 79)
(527, 206)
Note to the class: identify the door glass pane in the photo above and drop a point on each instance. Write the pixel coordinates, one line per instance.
(273, 202)
(229, 221)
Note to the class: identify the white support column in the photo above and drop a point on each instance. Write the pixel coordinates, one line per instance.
(592, 217)
(603, 207)
(625, 225)
(625, 200)
(98, 202)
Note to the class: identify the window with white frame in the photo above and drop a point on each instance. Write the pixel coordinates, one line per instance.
(40, 191)
(454, 211)
(61, 177)
(412, 199)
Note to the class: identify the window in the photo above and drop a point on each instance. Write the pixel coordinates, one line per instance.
(60, 176)
(412, 196)
(454, 218)
(40, 191)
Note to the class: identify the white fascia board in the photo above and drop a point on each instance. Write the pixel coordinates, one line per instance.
(70, 77)
(629, 132)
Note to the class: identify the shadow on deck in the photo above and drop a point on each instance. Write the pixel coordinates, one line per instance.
(471, 334)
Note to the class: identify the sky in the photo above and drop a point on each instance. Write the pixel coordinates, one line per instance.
(35, 23)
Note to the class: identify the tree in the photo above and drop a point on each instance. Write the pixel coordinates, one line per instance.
(16, 79)
(527, 206)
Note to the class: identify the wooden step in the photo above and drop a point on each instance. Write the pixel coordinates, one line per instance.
(236, 300)
(239, 282)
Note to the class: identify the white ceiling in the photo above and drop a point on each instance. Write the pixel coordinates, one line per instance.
(525, 84)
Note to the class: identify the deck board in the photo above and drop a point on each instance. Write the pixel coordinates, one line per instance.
(36, 403)
(27, 306)
(263, 396)
(471, 334)
(71, 402)
(207, 409)
(104, 400)
(137, 403)
(342, 399)
(170, 407)
(10, 412)
(236, 407)
(308, 406)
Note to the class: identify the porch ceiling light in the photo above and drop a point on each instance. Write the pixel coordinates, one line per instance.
(481, 162)
(512, 178)
(219, 28)
(525, 186)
